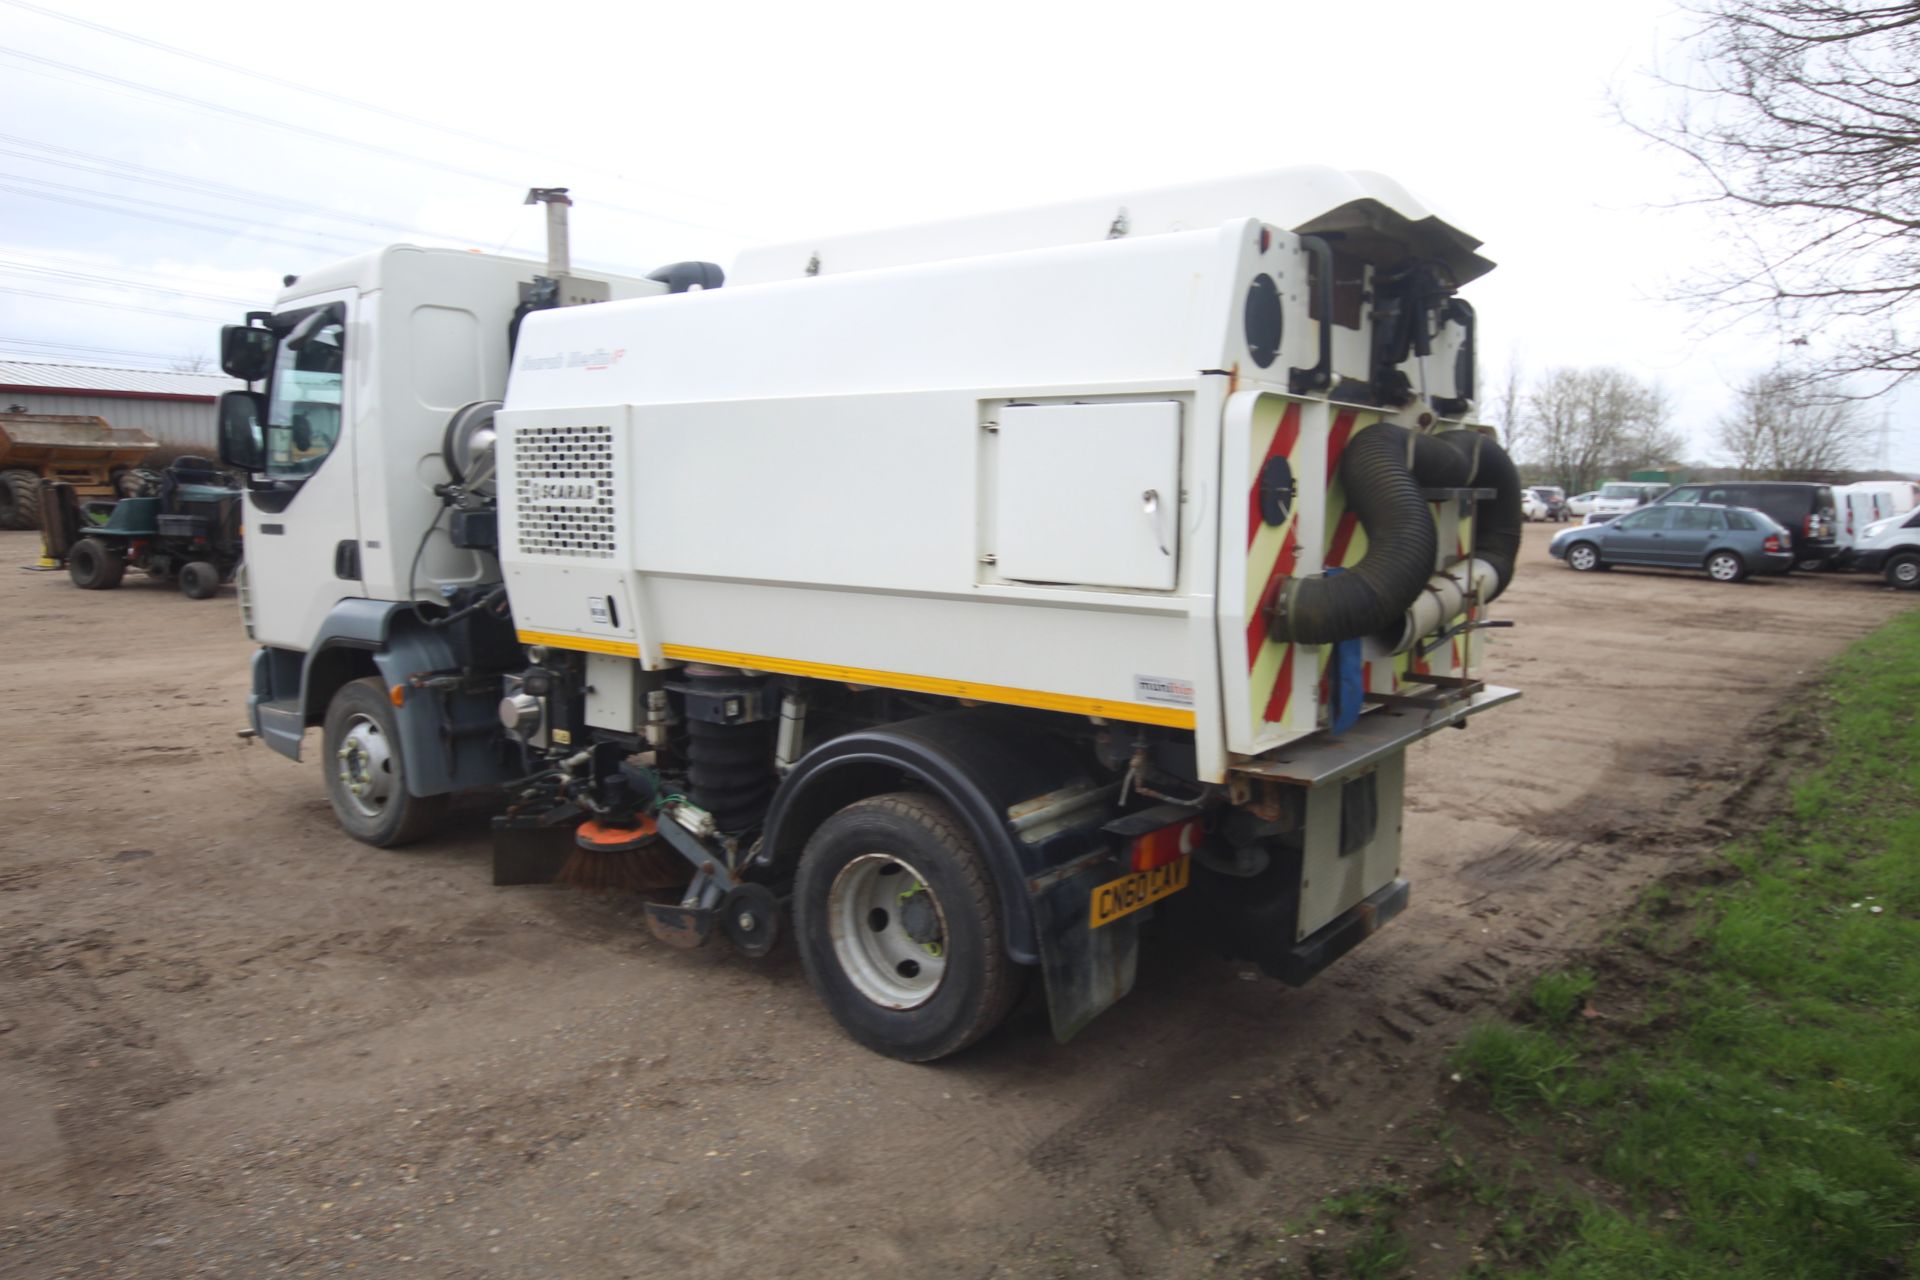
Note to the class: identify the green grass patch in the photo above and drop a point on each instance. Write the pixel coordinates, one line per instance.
(1745, 1099)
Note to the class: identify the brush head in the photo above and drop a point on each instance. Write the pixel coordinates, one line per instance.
(623, 859)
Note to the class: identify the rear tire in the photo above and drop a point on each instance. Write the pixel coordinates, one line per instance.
(95, 566)
(1903, 572)
(199, 581)
(1725, 566)
(19, 500)
(366, 773)
(1583, 557)
(899, 928)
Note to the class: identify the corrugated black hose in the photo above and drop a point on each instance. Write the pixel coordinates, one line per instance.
(1384, 468)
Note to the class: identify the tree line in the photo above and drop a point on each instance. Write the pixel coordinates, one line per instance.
(1579, 427)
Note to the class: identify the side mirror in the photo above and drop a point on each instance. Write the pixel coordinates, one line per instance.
(242, 442)
(246, 353)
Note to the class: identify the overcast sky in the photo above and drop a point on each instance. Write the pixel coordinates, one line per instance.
(690, 131)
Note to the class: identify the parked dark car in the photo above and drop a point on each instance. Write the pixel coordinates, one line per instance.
(1728, 542)
(1807, 510)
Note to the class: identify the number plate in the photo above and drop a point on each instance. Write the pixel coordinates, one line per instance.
(1128, 894)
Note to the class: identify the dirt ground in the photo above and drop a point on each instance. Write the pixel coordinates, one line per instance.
(235, 1043)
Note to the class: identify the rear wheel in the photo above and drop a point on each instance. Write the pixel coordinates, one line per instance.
(1903, 572)
(19, 500)
(900, 931)
(366, 773)
(1583, 556)
(1725, 566)
(199, 581)
(95, 566)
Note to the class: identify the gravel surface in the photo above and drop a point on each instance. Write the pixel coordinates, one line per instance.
(235, 1043)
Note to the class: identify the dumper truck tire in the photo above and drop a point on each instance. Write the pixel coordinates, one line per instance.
(199, 581)
(900, 930)
(19, 500)
(95, 566)
(366, 773)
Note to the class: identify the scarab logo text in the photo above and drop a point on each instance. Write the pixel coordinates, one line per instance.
(563, 491)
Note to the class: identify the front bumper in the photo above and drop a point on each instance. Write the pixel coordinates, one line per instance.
(1865, 561)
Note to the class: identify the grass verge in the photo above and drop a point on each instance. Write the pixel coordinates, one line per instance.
(1733, 1089)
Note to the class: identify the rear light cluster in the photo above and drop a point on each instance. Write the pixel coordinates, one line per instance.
(1772, 543)
(1168, 844)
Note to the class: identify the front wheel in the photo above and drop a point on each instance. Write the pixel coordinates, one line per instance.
(199, 581)
(1725, 566)
(366, 773)
(1583, 556)
(900, 930)
(1903, 572)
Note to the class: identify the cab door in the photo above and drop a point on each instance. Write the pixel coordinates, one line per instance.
(302, 532)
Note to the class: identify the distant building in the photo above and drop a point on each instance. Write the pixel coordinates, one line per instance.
(176, 409)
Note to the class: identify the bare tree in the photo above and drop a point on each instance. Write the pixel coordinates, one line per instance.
(1581, 422)
(1778, 430)
(192, 362)
(1803, 117)
(1508, 406)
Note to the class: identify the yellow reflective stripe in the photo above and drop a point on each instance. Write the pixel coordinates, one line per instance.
(585, 644)
(1135, 712)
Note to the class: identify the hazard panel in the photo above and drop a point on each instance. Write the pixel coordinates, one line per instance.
(1284, 455)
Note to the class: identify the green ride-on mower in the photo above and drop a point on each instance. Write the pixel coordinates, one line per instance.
(189, 531)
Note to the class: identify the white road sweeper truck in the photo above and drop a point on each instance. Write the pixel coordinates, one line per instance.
(964, 598)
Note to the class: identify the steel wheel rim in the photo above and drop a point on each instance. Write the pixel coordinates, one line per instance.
(868, 911)
(1907, 572)
(1723, 568)
(366, 766)
(1583, 557)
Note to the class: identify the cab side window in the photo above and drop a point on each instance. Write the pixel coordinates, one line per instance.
(303, 410)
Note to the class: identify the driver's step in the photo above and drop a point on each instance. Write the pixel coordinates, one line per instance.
(281, 719)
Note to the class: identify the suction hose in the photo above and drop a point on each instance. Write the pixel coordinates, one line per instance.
(1384, 469)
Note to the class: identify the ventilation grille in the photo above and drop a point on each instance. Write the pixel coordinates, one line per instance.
(563, 481)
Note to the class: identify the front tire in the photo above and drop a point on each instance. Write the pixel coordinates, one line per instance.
(199, 581)
(900, 931)
(1583, 557)
(366, 773)
(1903, 572)
(1725, 566)
(95, 566)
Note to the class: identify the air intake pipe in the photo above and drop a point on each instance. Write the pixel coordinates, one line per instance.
(1384, 469)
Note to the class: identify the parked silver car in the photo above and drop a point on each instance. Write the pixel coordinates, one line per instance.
(1727, 542)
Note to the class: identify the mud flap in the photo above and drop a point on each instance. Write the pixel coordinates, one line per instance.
(1086, 969)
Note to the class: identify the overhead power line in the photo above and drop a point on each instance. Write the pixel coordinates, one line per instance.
(240, 232)
(360, 104)
(10, 267)
(108, 166)
(110, 305)
(270, 122)
(53, 352)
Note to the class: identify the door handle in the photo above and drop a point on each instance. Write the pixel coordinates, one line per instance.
(346, 560)
(1150, 507)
